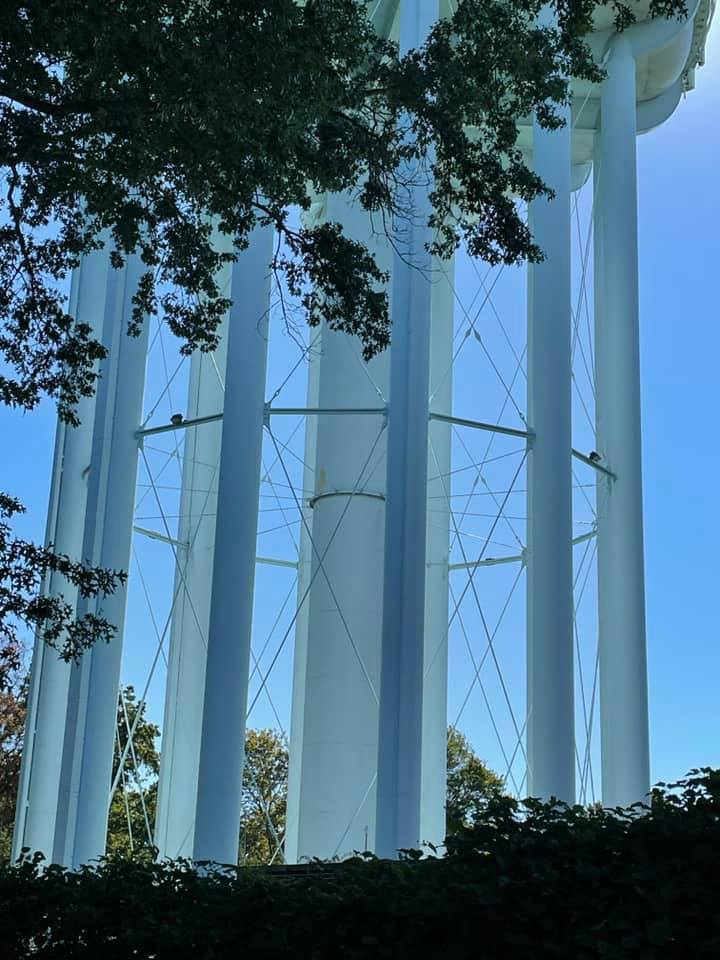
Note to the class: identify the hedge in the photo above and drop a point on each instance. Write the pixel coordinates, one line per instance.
(529, 880)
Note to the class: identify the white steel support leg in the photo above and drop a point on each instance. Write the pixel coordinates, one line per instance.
(434, 734)
(304, 582)
(81, 829)
(49, 674)
(399, 785)
(336, 792)
(621, 593)
(217, 822)
(177, 785)
(550, 702)
(180, 757)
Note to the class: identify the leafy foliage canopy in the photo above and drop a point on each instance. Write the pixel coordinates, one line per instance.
(140, 124)
(528, 879)
(147, 119)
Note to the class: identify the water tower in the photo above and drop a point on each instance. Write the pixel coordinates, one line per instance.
(377, 541)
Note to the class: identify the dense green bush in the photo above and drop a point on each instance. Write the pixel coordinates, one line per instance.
(528, 880)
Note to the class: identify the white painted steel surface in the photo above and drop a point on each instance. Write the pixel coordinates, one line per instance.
(435, 656)
(550, 700)
(339, 735)
(304, 583)
(49, 674)
(181, 729)
(621, 591)
(84, 794)
(217, 821)
(336, 790)
(399, 786)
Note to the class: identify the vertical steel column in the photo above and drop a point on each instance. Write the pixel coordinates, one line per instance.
(550, 701)
(336, 795)
(621, 590)
(217, 820)
(180, 757)
(399, 784)
(92, 708)
(300, 647)
(434, 733)
(49, 675)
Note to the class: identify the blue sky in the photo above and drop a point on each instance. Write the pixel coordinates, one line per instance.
(679, 260)
(679, 253)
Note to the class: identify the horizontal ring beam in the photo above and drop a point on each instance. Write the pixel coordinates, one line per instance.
(154, 535)
(323, 411)
(480, 425)
(277, 562)
(269, 412)
(369, 411)
(584, 458)
(487, 562)
(180, 425)
(515, 558)
(345, 493)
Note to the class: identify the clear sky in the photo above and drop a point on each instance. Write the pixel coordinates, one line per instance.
(680, 309)
(679, 259)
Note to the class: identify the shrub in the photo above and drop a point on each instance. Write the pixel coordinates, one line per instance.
(528, 880)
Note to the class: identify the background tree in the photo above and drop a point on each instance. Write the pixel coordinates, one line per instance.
(132, 811)
(264, 798)
(13, 704)
(136, 124)
(137, 790)
(24, 568)
(131, 821)
(133, 808)
(470, 783)
(134, 804)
